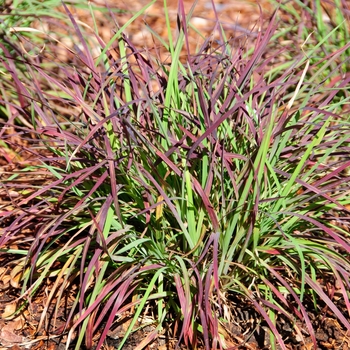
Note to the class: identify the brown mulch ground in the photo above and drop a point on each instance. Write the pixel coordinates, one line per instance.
(20, 332)
(245, 331)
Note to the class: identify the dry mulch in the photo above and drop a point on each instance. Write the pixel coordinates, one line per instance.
(245, 331)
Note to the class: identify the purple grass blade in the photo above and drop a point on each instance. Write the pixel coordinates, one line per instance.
(297, 300)
(86, 56)
(318, 289)
(323, 227)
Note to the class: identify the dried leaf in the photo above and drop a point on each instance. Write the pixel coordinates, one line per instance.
(15, 281)
(7, 335)
(10, 309)
(6, 279)
(18, 323)
(16, 275)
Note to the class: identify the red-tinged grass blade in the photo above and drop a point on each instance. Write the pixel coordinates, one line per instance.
(86, 56)
(213, 127)
(22, 93)
(297, 300)
(266, 317)
(113, 312)
(119, 282)
(210, 314)
(86, 173)
(151, 336)
(201, 308)
(114, 304)
(63, 273)
(343, 289)
(337, 238)
(283, 299)
(143, 302)
(315, 189)
(316, 287)
(170, 205)
(186, 302)
(260, 48)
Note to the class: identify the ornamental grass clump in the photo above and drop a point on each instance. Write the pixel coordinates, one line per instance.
(177, 191)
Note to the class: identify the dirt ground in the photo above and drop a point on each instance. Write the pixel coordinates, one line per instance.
(239, 18)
